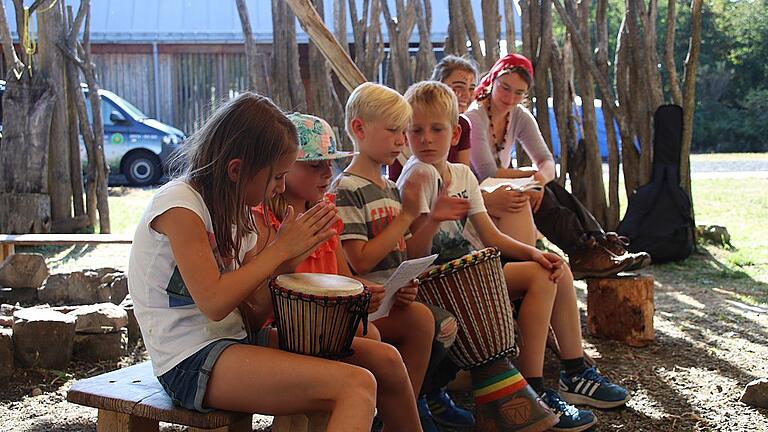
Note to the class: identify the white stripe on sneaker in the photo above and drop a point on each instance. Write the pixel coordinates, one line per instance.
(594, 388)
(578, 386)
(586, 388)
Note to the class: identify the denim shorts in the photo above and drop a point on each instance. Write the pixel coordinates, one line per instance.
(187, 382)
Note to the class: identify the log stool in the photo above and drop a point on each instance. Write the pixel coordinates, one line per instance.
(621, 308)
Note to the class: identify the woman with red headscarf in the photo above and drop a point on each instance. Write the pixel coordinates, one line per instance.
(498, 120)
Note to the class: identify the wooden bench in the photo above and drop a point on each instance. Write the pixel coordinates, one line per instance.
(9, 241)
(132, 400)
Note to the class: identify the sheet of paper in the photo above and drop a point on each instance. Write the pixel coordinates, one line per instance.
(405, 273)
(526, 183)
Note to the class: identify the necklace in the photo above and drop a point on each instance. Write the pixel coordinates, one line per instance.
(496, 143)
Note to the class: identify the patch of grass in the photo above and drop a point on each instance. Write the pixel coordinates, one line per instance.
(126, 205)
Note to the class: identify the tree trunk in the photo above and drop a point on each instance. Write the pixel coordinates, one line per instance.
(27, 114)
(474, 36)
(669, 54)
(561, 105)
(456, 41)
(491, 30)
(621, 308)
(256, 80)
(288, 88)
(399, 27)
(51, 65)
(595, 199)
(323, 101)
(541, 63)
(612, 214)
(630, 157)
(101, 170)
(75, 165)
(509, 26)
(425, 57)
(642, 95)
(689, 97)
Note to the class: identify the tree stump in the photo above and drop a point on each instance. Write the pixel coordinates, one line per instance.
(621, 308)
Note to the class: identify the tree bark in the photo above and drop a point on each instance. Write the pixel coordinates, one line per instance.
(456, 41)
(257, 81)
(12, 60)
(349, 75)
(425, 57)
(561, 105)
(101, 170)
(509, 26)
(629, 155)
(323, 101)
(400, 27)
(612, 211)
(689, 97)
(288, 88)
(669, 54)
(474, 36)
(75, 164)
(51, 65)
(491, 30)
(595, 197)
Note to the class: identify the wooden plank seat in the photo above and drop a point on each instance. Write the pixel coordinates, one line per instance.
(9, 241)
(131, 399)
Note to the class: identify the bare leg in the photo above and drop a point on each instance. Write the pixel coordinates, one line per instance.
(518, 225)
(411, 329)
(395, 400)
(531, 281)
(565, 318)
(255, 379)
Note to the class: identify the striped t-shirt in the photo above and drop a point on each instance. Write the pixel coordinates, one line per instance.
(366, 210)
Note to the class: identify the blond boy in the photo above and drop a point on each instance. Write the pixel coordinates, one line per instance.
(376, 236)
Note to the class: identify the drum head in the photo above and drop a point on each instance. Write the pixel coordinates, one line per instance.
(320, 284)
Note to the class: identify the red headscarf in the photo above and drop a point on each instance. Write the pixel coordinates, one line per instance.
(499, 68)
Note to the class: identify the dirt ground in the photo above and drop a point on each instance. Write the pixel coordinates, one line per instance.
(711, 329)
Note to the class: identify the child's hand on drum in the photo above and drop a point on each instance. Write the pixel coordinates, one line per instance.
(377, 295)
(551, 262)
(302, 233)
(407, 294)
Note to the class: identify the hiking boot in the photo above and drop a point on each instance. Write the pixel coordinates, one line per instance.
(445, 412)
(591, 388)
(593, 260)
(425, 416)
(572, 419)
(618, 245)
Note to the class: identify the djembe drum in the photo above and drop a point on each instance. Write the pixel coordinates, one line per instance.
(473, 289)
(317, 315)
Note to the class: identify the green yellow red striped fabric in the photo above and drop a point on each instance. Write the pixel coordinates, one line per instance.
(497, 387)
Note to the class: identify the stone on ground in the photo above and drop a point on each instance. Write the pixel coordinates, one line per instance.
(100, 347)
(6, 352)
(134, 331)
(34, 330)
(23, 270)
(100, 318)
(756, 393)
(84, 287)
(26, 296)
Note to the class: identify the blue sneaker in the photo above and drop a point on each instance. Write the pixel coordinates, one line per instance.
(445, 412)
(425, 416)
(591, 388)
(572, 419)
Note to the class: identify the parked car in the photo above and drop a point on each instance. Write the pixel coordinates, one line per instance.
(135, 145)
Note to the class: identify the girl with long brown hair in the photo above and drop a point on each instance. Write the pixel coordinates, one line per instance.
(194, 261)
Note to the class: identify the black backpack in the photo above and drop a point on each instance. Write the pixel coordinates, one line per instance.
(659, 218)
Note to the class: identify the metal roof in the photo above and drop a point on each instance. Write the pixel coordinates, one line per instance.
(211, 21)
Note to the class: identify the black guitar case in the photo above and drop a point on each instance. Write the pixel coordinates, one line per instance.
(659, 219)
